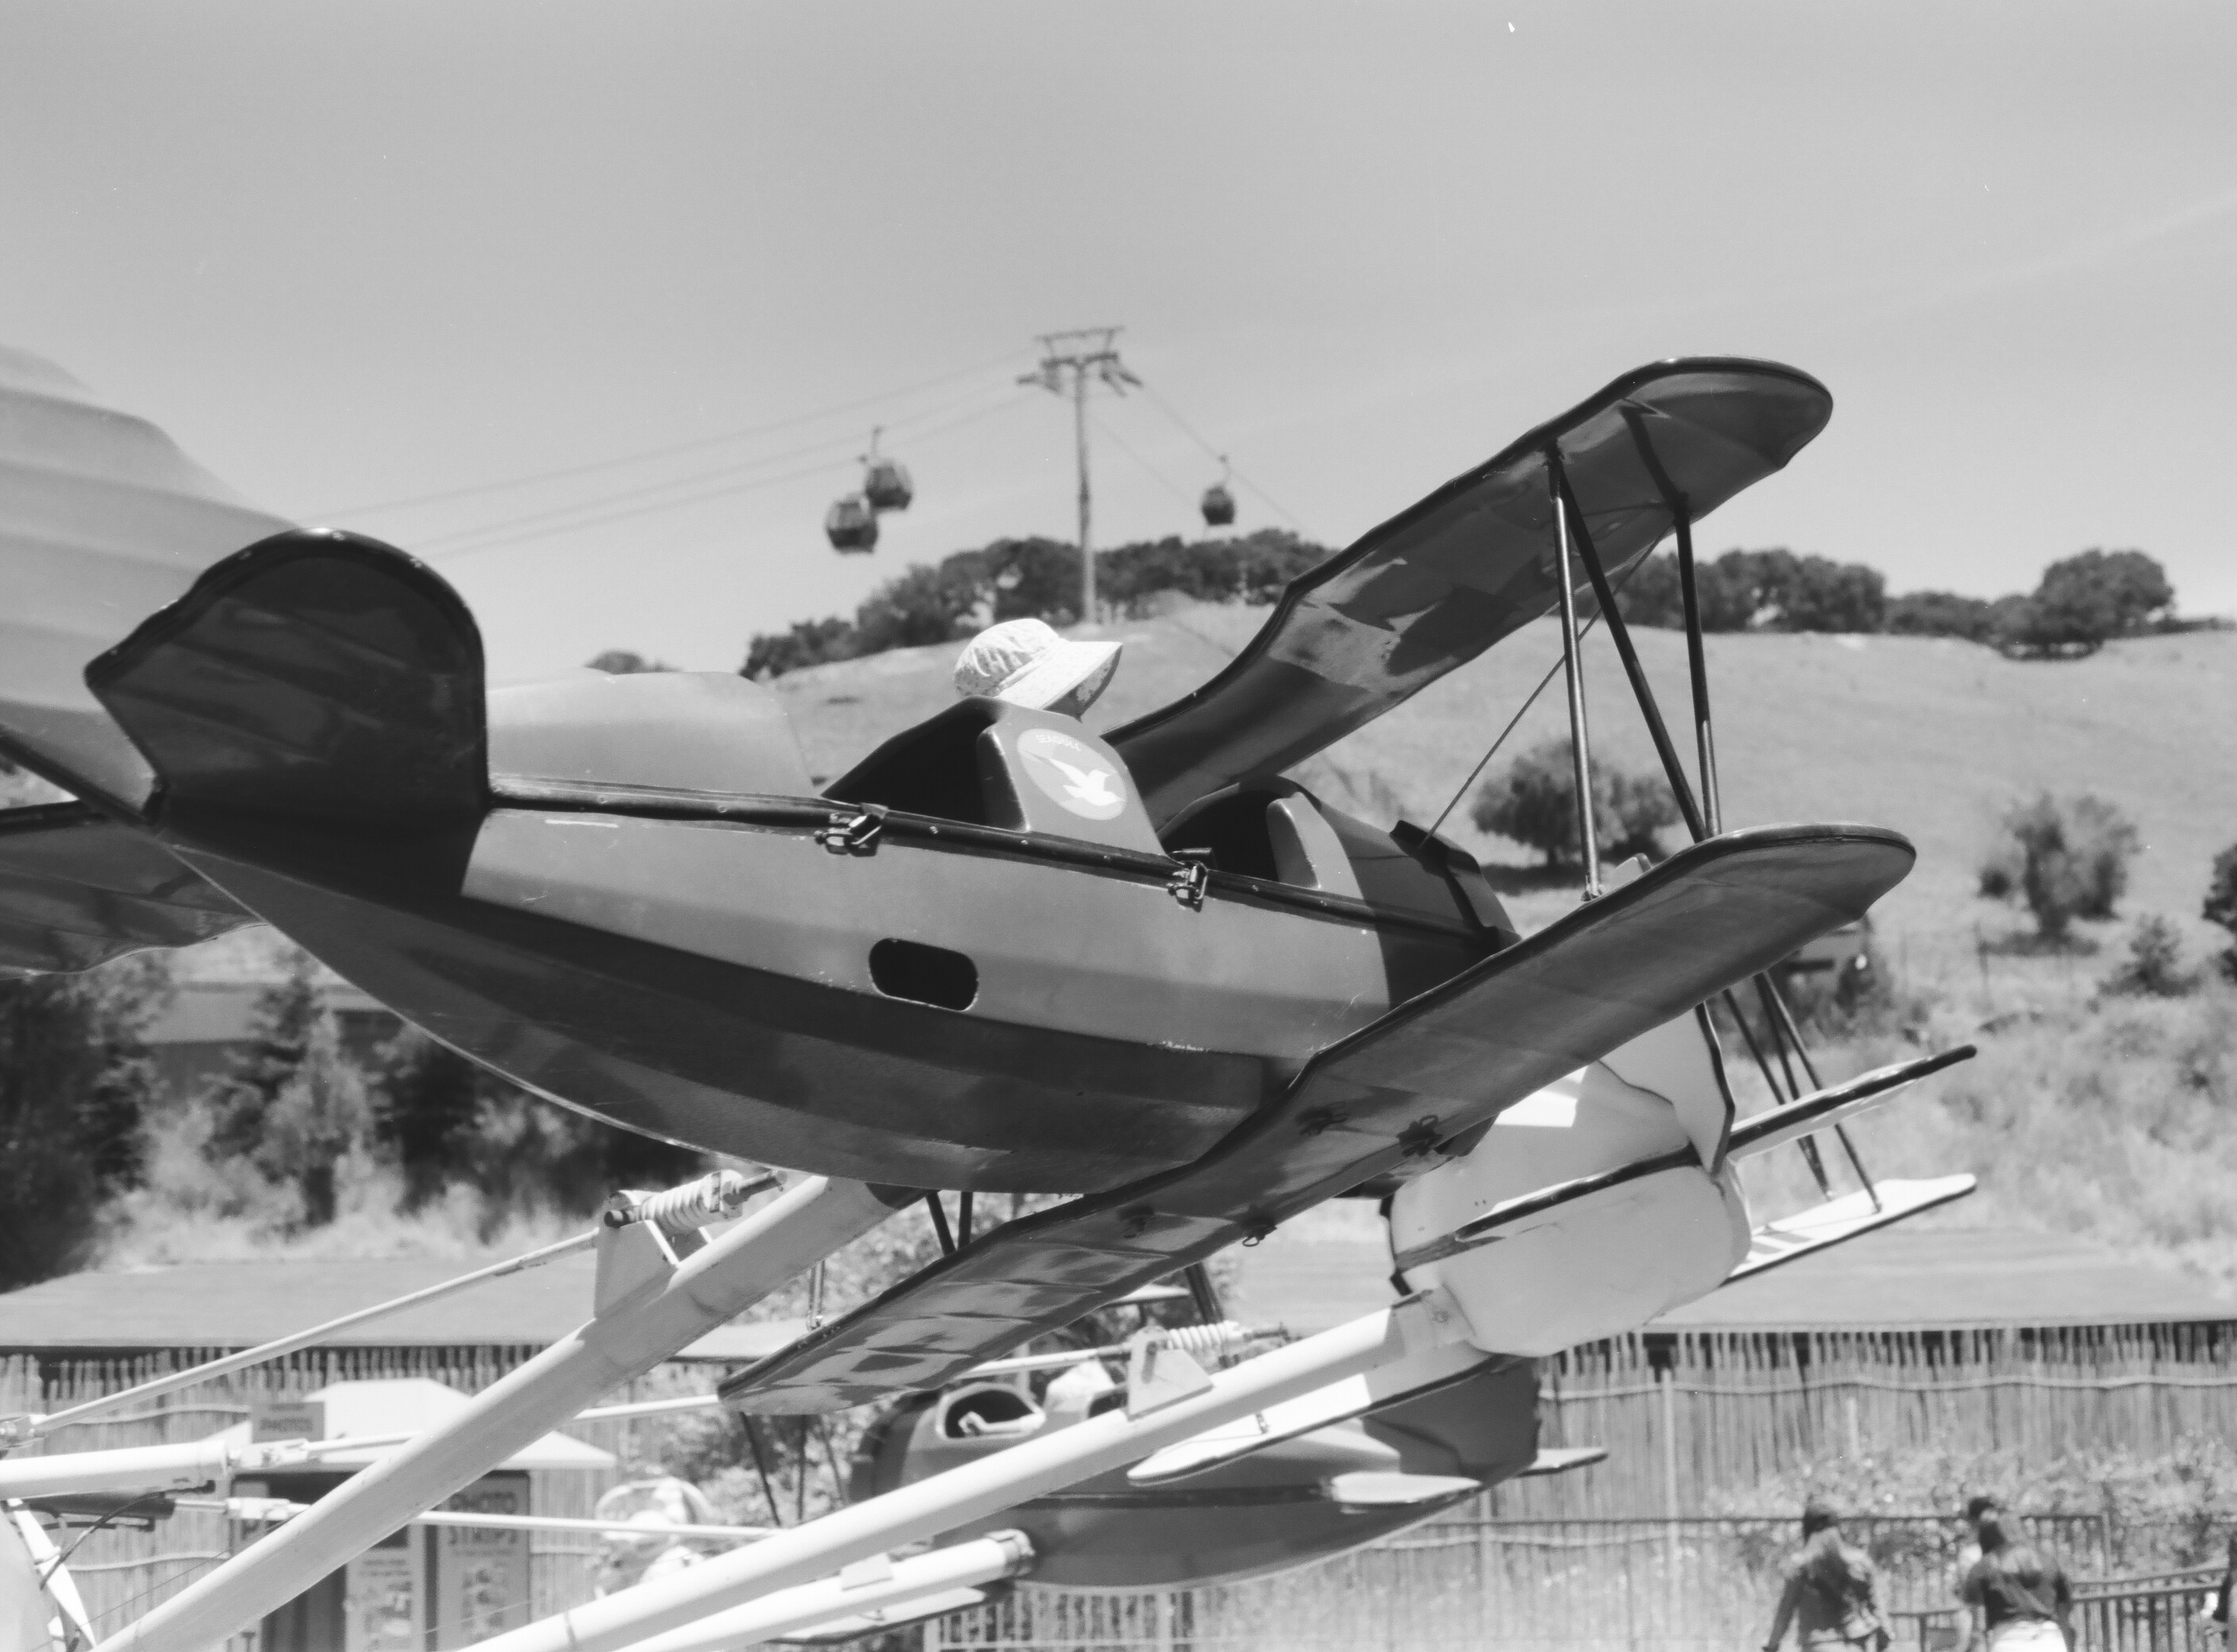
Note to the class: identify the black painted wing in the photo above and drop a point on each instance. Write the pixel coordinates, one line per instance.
(77, 890)
(1439, 583)
(1381, 1100)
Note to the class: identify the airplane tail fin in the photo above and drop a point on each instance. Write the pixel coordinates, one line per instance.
(105, 520)
(316, 690)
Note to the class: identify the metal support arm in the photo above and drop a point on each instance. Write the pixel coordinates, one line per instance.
(633, 1333)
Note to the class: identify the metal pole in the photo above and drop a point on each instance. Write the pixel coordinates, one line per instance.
(1086, 549)
(1705, 739)
(1579, 735)
(635, 1331)
(18, 1428)
(979, 1490)
(964, 1565)
(1642, 691)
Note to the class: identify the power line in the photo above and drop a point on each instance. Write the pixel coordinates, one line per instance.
(1169, 486)
(650, 454)
(629, 513)
(1190, 430)
(459, 537)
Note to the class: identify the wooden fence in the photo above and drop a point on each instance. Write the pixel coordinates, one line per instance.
(1473, 1581)
(1681, 1415)
(1684, 1415)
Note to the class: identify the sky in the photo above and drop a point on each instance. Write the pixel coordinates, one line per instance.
(594, 306)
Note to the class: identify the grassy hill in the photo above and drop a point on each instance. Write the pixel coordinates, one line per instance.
(2108, 1117)
(1931, 736)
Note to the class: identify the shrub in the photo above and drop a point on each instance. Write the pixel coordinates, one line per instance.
(2082, 602)
(292, 1104)
(622, 662)
(1016, 579)
(1772, 590)
(2221, 904)
(809, 642)
(448, 1123)
(1942, 614)
(2064, 860)
(2153, 966)
(1535, 802)
(75, 1082)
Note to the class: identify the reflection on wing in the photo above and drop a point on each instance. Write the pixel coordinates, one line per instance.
(105, 522)
(1384, 1098)
(1439, 583)
(77, 890)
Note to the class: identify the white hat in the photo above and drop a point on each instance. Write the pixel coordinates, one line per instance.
(1026, 662)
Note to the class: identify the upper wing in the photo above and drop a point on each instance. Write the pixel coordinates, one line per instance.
(1436, 1066)
(1439, 583)
(77, 890)
(105, 521)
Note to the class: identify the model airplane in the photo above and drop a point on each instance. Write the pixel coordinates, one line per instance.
(1151, 972)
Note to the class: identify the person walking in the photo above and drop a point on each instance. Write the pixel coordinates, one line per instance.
(2020, 1600)
(1831, 1589)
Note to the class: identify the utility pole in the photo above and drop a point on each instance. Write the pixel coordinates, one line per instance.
(1083, 354)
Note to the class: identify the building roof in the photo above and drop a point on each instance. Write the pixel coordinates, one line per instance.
(237, 1304)
(1899, 1278)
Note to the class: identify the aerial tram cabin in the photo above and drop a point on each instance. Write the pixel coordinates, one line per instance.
(851, 524)
(1218, 505)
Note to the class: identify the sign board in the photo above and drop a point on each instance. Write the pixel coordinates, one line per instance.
(384, 1597)
(481, 1574)
(281, 1417)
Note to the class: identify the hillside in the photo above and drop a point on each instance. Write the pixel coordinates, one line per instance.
(1929, 735)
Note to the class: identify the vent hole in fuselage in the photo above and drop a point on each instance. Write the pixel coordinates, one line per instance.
(924, 974)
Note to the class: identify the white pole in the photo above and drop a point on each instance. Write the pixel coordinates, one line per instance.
(134, 1468)
(634, 1333)
(20, 1428)
(788, 1612)
(977, 1491)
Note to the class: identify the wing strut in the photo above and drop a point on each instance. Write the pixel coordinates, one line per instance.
(1778, 1018)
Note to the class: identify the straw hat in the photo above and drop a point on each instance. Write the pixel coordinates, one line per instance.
(1026, 662)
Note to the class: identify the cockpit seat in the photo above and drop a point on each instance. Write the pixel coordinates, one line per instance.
(680, 731)
(987, 763)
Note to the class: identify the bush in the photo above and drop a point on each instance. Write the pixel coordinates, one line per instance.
(75, 1082)
(622, 662)
(2221, 904)
(1942, 614)
(1535, 802)
(2084, 601)
(1016, 579)
(2064, 860)
(448, 1123)
(2153, 966)
(1770, 590)
(809, 642)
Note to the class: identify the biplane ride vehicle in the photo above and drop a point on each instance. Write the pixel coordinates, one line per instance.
(1002, 953)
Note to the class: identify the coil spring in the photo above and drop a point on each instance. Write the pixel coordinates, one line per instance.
(694, 1205)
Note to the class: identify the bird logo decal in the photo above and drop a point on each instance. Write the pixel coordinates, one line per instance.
(1087, 782)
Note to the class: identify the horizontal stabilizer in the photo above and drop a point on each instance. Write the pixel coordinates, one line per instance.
(1845, 1217)
(103, 521)
(1437, 584)
(1380, 1100)
(1560, 1460)
(1337, 1402)
(77, 889)
(1777, 1126)
(1373, 1489)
